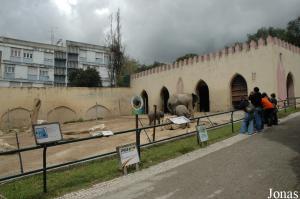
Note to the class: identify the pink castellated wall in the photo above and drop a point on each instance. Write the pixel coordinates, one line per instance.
(221, 54)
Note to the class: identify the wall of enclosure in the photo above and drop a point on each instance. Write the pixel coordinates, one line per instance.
(62, 104)
(221, 78)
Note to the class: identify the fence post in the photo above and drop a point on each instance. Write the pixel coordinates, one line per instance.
(153, 135)
(295, 104)
(137, 134)
(232, 127)
(284, 106)
(45, 168)
(19, 153)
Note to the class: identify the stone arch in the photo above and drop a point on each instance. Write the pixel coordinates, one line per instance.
(15, 118)
(239, 89)
(61, 114)
(97, 112)
(290, 88)
(179, 86)
(144, 95)
(202, 92)
(164, 96)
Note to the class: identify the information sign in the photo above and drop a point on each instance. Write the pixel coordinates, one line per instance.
(128, 154)
(47, 133)
(202, 133)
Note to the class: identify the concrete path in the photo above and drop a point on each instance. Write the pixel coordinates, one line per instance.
(239, 167)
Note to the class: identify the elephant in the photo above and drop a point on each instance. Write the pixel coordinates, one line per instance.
(181, 110)
(159, 116)
(189, 100)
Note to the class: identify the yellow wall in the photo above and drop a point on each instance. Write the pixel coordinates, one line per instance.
(258, 59)
(62, 104)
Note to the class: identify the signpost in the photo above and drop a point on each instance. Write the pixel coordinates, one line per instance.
(128, 155)
(137, 104)
(202, 136)
(44, 135)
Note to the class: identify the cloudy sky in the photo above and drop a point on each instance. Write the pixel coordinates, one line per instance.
(160, 30)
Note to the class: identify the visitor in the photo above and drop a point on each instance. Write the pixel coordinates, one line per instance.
(255, 98)
(268, 109)
(274, 102)
(248, 122)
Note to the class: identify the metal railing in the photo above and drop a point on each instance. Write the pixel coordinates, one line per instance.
(138, 130)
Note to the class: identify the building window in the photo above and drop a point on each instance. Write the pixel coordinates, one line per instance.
(83, 55)
(106, 59)
(99, 58)
(32, 73)
(28, 54)
(16, 52)
(43, 73)
(9, 69)
(48, 58)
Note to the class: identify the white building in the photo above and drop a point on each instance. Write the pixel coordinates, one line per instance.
(32, 64)
(82, 55)
(25, 63)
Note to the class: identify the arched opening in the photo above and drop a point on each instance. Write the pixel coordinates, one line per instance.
(144, 95)
(290, 89)
(164, 96)
(61, 114)
(15, 118)
(203, 95)
(238, 90)
(97, 112)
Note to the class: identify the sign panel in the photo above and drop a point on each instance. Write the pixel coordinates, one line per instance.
(47, 133)
(179, 120)
(202, 133)
(128, 154)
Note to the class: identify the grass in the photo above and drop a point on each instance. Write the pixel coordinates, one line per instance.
(84, 175)
(288, 111)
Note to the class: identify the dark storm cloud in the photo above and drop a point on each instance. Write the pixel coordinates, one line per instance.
(158, 30)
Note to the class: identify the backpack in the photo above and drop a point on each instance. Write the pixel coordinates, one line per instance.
(250, 108)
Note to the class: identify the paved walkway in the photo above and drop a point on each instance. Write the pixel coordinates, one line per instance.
(239, 167)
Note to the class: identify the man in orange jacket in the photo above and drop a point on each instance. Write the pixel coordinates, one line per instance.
(268, 108)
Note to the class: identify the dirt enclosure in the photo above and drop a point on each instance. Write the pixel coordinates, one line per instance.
(9, 164)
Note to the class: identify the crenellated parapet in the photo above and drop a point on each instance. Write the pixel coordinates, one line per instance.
(221, 54)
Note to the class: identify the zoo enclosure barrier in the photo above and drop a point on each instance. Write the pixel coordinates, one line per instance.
(289, 102)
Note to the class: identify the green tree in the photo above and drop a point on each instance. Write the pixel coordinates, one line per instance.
(293, 31)
(290, 34)
(114, 43)
(186, 56)
(146, 67)
(129, 67)
(84, 78)
(265, 32)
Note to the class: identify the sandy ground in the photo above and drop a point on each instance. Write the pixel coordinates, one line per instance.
(9, 164)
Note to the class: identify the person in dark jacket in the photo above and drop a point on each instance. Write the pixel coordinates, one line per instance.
(255, 99)
(274, 102)
(248, 122)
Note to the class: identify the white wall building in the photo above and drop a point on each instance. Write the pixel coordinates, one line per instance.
(25, 63)
(82, 55)
(32, 64)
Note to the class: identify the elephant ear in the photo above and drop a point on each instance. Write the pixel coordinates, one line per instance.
(195, 98)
